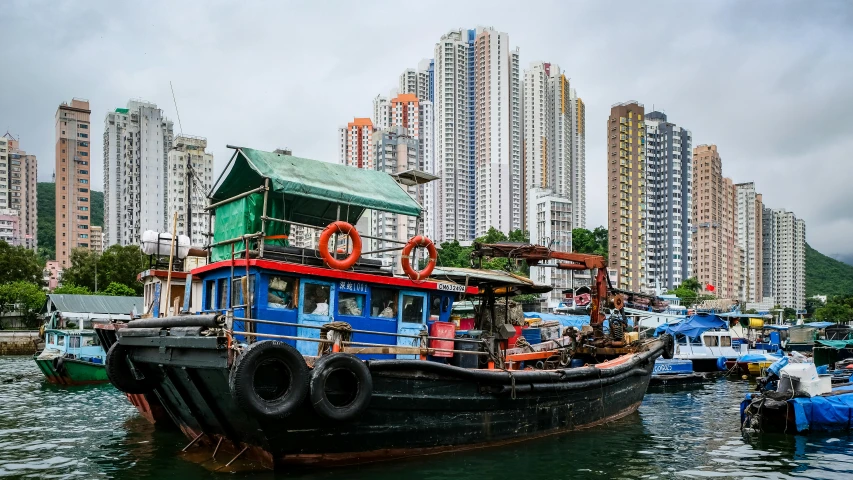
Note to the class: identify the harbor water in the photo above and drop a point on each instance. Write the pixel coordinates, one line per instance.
(93, 432)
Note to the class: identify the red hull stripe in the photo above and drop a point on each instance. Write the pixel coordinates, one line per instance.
(327, 273)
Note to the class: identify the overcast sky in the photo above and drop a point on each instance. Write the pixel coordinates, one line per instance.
(771, 83)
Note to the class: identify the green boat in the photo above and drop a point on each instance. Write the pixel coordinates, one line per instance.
(72, 357)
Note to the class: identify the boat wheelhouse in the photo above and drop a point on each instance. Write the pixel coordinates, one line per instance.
(703, 339)
(322, 356)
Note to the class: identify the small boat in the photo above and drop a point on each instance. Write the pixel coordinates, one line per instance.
(676, 372)
(803, 401)
(755, 364)
(72, 357)
(704, 339)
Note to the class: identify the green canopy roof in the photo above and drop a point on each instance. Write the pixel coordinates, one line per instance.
(312, 190)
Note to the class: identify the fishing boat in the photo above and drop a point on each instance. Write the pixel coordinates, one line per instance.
(323, 356)
(73, 353)
(71, 357)
(704, 339)
(803, 400)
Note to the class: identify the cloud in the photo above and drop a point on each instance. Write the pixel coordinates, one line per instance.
(768, 82)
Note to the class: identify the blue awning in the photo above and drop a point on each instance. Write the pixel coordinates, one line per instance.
(577, 321)
(693, 326)
(820, 324)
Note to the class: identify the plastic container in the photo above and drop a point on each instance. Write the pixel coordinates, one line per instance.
(532, 335)
(465, 360)
(631, 337)
(513, 339)
(444, 330)
(466, 323)
(550, 331)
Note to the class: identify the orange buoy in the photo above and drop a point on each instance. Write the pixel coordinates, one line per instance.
(419, 241)
(345, 228)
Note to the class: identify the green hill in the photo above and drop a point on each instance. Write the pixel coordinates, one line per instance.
(827, 276)
(47, 216)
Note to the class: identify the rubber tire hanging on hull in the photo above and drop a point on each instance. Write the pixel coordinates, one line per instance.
(669, 346)
(357, 393)
(121, 376)
(273, 360)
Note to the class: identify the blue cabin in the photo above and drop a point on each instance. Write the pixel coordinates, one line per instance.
(285, 290)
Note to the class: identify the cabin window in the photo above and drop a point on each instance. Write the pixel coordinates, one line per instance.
(725, 341)
(223, 294)
(240, 290)
(60, 340)
(211, 295)
(316, 299)
(350, 304)
(712, 341)
(283, 292)
(74, 342)
(383, 303)
(434, 305)
(413, 309)
(51, 338)
(90, 341)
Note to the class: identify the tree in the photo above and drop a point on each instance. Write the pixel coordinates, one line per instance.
(691, 283)
(812, 304)
(20, 263)
(118, 290)
(522, 236)
(69, 288)
(122, 264)
(81, 273)
(451, 254)
(30, 299)
(789, 313)
(837, 309)
(592, 242)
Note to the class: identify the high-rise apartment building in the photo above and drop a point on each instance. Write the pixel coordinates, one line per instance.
(578, 174)
(750, 240)
(72, 170)
(381, 112)
(497, 138)
(18, 177)
(419, 81)
(356, 147)
(189, 178)
(397, 151)
(626, 190)
(454, 135)
(137, 141)
(784, 258)
(549, 222)
(96, 239)
(716, 254)
(669, 202)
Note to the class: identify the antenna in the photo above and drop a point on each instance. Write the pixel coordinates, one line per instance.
(181, 127)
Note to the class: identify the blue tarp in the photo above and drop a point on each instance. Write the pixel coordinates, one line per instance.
(777, 327)
(759, 357)
(824, 413)
(693, 326)
(819, 324)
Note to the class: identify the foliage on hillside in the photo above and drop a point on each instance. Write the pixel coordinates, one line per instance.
(46, 205)
(827, 276)
(837, 309)
(46, 210)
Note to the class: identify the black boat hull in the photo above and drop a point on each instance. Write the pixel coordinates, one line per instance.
(416, 408)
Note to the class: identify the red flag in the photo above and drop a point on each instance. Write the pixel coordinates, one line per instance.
(710, 287)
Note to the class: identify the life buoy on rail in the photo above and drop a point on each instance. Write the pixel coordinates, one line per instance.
(418, 241)
(340, 226)
(122, 377)
(341, 386)
(269, 379)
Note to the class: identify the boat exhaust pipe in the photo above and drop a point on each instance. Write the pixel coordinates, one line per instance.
(209, 321)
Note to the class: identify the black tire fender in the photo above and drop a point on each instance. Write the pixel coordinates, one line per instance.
(283, 375)
(351, 380)
(122, 377)
(668, 346)
(59, 365)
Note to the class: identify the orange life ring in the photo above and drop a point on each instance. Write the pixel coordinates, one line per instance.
(418, 241)
(340, 226)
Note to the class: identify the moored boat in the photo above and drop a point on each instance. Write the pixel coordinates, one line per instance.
(303, 357)
(676, 372)
(72, 357)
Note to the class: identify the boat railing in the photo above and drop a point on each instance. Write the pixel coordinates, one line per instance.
(422, 348)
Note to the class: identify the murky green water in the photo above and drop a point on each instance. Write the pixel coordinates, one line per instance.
(93, 432)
